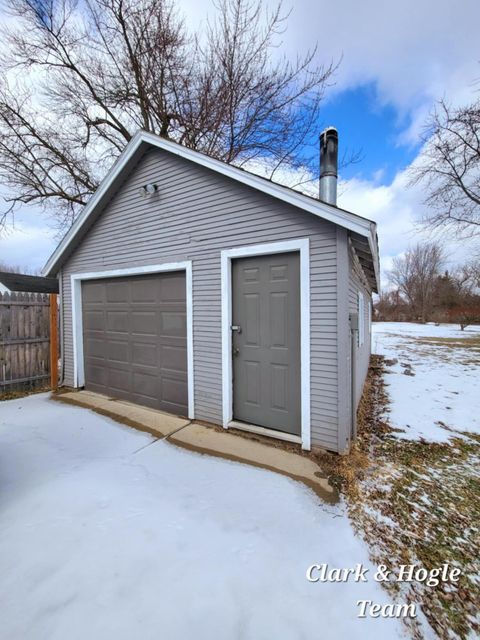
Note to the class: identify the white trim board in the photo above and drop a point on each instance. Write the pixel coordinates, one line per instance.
(76, 280)
(227, 255)
(142, 139)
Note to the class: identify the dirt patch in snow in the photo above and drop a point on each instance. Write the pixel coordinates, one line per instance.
(15, 395)
(462, 351)
(416, 502)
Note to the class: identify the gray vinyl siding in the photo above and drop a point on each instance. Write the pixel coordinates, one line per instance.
(356, 284)
(195, 215)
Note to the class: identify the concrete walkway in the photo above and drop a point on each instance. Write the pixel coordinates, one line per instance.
(208, 440)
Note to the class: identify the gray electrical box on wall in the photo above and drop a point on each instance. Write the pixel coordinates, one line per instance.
(353, 321)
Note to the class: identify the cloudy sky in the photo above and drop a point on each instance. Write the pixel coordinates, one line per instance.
(397, 59)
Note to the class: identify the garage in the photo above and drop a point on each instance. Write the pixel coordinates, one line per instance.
(193, 287)
(135, 339)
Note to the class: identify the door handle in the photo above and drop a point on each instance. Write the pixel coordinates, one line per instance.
(235, 351)
(236, 327)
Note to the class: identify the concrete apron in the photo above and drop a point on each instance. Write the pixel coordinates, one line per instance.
(207, 440)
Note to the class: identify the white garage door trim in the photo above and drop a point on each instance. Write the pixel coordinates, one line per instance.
(303, 246)
(77, 317)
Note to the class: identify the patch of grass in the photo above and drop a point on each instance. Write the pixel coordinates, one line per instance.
(464, 350)
(345, 472)
(469, 342)
(434, 499)
(417, 502)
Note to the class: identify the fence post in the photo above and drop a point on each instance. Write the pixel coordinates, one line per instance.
(53, 341)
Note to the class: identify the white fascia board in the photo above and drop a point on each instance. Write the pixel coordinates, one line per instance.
(373, 244)
(345, 219)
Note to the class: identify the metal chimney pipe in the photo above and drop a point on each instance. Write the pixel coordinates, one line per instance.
(328, 165)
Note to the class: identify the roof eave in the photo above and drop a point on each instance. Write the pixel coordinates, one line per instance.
(373, 242)
(345, 219)
(28, 283)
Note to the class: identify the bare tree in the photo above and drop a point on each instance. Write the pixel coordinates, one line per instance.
(452, 296)
(79, 78)
(415, 275)
(469, 275)
(391, 306)
(466, 307)
(466, 313)
(449, 168)
(12, 268)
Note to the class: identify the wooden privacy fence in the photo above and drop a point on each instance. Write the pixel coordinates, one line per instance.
(25, 340)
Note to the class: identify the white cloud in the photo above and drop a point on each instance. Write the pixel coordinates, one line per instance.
(414, 51)
(397, 209)
(29, 242)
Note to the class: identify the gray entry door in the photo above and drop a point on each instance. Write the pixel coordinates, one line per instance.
(266, 350)
(135, 339)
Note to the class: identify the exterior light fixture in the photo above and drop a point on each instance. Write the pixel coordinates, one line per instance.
(148, 190)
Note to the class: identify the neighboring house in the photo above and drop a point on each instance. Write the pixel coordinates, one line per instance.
(191, 286)
(4, 289)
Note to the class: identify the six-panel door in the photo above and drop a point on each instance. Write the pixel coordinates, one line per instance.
(135, 339)
(266, 341)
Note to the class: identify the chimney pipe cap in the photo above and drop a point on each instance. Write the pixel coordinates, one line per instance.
(330, 131)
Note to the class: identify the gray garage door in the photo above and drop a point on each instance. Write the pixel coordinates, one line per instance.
(134, 336)
(266, 350)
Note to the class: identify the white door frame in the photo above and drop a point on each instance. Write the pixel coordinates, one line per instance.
(76, 280)
(303, 246)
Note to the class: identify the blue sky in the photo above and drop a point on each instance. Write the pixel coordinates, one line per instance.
(367, 126)
(396, 61)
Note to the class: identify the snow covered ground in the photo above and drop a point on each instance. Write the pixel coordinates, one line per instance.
(106, 534)
(434, 385)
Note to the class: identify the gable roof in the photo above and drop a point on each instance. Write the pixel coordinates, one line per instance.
(362, 229)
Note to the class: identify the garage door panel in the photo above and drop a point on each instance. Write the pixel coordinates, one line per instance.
(96, 346)
(118, 321)
(94, 293)
(135, 339)
(118, 351)
(173, 323)
(93, 320)
(116, 292)
(143, 292)
(145, 353)
(119, 378)
(173, 390)
(173, 358)
(145, 322)
(98, 375)
(146, 384)
(173, 289)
